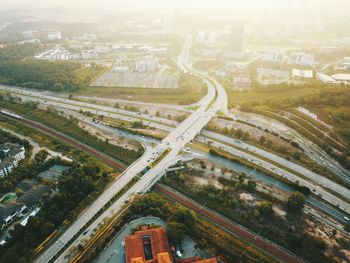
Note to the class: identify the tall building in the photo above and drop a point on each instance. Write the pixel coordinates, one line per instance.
(236, 38)
(167, 24)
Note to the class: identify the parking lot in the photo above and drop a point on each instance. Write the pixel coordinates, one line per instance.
(160, 79)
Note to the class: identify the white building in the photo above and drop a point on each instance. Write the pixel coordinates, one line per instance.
(326, 79)
(30, 34)
(346, 63)
(55, 54)
(88, 54)
(342, 78)
(121, 69)
(54, 35)
(242, 83)
(308, 113)
(327, 49)
(274, 56)
(158, 51)
(147, 64)
(102, 49)
(302, 59)
(302, 74)
(10, 155)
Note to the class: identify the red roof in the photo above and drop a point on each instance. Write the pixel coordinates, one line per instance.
(134, 245)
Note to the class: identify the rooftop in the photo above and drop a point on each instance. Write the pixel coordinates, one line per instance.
(148, 245)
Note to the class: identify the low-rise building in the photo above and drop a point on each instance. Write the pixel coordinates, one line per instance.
(148, 245)
(121, 69)
(302, 74)
(274, 56)
(102, 49)
(10, 156)
(32, 193)
(55, 54)
(30, 34)
(346, 63)
(152, 246)
(241, 83)
(54, 35)
(88, 54)
(326, 79)
(147, 64)
(302, 59)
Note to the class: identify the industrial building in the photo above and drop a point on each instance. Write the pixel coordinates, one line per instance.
(147, 64)
(326, 79)
(274, 56)
(302, 59)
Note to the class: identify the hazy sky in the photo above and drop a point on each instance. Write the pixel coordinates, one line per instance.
(159, 5)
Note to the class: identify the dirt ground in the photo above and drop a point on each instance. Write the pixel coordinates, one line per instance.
(112, 138)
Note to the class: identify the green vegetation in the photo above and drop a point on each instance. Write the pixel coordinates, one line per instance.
(77, 188)
(256, 215)
(18, 52)
(289, 153)
(181, 221)
(69, 126)
(329, 102)
(191, 89)
(7, 198)
(44, 75)
(296, 202)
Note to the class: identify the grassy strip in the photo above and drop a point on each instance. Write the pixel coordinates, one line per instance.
(317, 169)
(53, 119)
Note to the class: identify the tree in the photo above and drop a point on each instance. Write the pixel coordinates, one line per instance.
(242, 176)
(58, 87)
(296, 202)
(262, 139)
(296, 155)
(251, 185)
(265, 208)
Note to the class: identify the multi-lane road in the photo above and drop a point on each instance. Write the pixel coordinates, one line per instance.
(168, 148)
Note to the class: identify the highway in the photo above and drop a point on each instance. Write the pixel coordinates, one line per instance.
(71, 108)
(310, 149)
(176, 140)
(315, 186)
(173, 144)
(238, 230)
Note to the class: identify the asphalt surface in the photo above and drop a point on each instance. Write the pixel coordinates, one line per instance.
(270, 248)
(173, 144)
